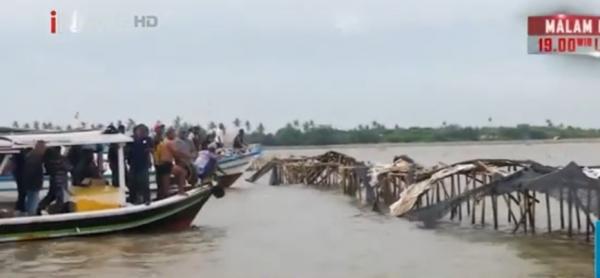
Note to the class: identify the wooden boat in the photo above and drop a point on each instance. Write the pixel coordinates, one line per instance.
(234, 165)
(174, 212)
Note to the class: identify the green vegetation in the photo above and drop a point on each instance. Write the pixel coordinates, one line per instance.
(308, 133)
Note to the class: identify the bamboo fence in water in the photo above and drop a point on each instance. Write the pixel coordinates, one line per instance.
(504, 194)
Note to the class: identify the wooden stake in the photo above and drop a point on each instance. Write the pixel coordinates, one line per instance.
(452, 193)
(458, 182)
(548, 215)
(562, 214)
(570, 212)
(495, 210)
(587, 214)
(473, 206)
(467, 182)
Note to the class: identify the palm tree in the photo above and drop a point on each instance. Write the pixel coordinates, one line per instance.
(15, 124)
(296, 123)
(375, 124)
(260, 129)
(69, 127)
(248, 126)
(306, 126)
(26, 126)
(549, 123)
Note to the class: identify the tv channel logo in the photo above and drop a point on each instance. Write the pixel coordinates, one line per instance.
(145, 21)
(55, 24)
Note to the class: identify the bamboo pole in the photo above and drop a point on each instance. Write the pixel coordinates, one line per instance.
(467, 182)
(452, 194)
(577, 210)
(525, 207)
(587, 214)
(458, 182)
(473, 205)
(509, 208)
(548, 215)
(532, 201)
(562, 213)
(483, 179)
(570, 204)
(495, 210)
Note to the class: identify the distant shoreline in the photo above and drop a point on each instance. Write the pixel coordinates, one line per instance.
(440, 143)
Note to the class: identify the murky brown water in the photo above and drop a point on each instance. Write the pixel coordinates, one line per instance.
(294, 231)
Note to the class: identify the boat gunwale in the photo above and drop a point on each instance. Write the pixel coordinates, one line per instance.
(102, 213)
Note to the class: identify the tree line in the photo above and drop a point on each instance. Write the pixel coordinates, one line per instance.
(308, 133)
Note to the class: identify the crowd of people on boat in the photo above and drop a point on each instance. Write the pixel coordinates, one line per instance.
(179, 156)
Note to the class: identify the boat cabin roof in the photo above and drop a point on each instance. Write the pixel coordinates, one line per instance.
(11, 143)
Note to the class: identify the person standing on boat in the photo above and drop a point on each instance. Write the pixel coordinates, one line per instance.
(57, 168)
(33, 177)
(239, 144)
(113, 156)
(139, 161)
(208, 138)
(168, 155)
(18, 165)
(186, 154)
(197, 137)
(159, 170)
(206, 163)
(220, 136)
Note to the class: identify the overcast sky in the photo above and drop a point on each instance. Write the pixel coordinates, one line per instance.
(341, 62)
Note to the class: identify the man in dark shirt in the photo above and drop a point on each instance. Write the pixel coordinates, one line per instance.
(57, 168)
(239, 143)
(18, 165)
(139, 162)
(33, 177)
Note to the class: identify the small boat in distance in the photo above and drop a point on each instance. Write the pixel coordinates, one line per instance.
(174, 212)
(233, 164)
